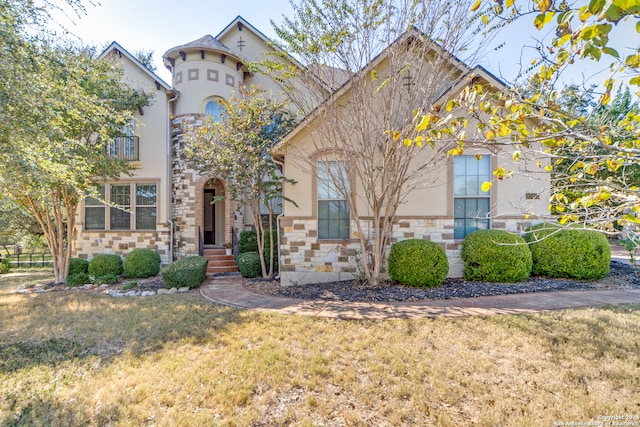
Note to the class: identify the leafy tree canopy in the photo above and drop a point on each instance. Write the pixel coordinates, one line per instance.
(59, 107)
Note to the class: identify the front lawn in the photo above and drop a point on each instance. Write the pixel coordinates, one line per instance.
(77, 358)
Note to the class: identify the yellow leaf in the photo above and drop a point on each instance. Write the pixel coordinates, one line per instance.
(526, 216)
(407, 142)
(500, 173)
(604, 100)
(476, 5)
(490, 135)
(486, 186)
(478, 156)
(516, 155)
(485, 19)
(396, 135)
(419, 140)
(450, 105)
(544, 5)
(424, 123)
(509, 3)
(548, 168)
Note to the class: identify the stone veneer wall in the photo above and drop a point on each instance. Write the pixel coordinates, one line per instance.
(305, 259)
(183, 192)
(187, 185)
(92, 243)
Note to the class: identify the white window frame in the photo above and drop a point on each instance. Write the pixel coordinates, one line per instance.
(468, 195)
(132, 207)
(330, 194)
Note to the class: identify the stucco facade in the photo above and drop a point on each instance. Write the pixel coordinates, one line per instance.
(212, 68)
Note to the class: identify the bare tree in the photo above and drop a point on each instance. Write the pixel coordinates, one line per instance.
(370, 67)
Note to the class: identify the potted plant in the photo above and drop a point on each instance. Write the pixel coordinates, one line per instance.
(228, 246)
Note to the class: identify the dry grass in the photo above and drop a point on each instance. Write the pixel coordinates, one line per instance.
(81, 359)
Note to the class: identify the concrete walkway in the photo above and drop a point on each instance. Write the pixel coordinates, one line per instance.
(230, 291)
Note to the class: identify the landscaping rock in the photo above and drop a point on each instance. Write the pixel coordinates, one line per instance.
(184, 289)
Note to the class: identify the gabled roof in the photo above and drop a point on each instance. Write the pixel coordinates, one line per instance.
(120, 51)
(465, 70)
(240, 22)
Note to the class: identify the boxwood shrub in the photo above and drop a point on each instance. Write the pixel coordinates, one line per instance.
(5, 266)
(186, 272)
(249, 243)
(418, 263)
(141, 263)
(495, 256)
(570, 253)
(78, 265)
(249, 264)
(105, 264)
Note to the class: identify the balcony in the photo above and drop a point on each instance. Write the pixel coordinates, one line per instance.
(125, 148)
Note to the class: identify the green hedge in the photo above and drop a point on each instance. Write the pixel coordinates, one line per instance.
(5, 266)
(418, 263)
(570, 253)
(141, 263)
(486, 259)
(249, 264)
(105, 265)
(249, 243)
(186, 272)
(77, 266)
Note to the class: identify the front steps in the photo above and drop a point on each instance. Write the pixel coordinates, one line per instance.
(219, 262)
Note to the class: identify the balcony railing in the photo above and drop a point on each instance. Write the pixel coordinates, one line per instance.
(125, 148)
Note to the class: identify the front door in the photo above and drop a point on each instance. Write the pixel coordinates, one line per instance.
(209, 217)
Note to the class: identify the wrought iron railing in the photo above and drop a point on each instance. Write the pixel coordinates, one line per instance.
(125, 148)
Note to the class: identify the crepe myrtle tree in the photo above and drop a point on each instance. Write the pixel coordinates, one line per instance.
(593, 151)
(59, 107)
(361, 68)
(237, 148)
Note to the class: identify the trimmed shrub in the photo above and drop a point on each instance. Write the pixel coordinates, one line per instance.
(105, 264)
(486, 259)
(78, 265)
(5, 266)
(141, 263)
(186, 272)
(77, 279)
(570, 253)
(249, 264)
(247, 242)
(418, 263)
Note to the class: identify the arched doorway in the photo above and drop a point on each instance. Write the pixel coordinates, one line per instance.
(213, 214)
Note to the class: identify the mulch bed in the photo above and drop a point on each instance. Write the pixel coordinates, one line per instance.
(621, 276)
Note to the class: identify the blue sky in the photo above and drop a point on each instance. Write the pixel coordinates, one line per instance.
(158, 25)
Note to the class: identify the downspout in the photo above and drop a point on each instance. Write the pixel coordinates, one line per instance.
(281, 164)
(169, 172)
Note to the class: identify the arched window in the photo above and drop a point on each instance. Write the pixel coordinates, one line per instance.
(214, 109)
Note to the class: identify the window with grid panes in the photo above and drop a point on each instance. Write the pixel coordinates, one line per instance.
(146, 201)
(120, 215)
(333, 211)
(94, 211)
(471, 205)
